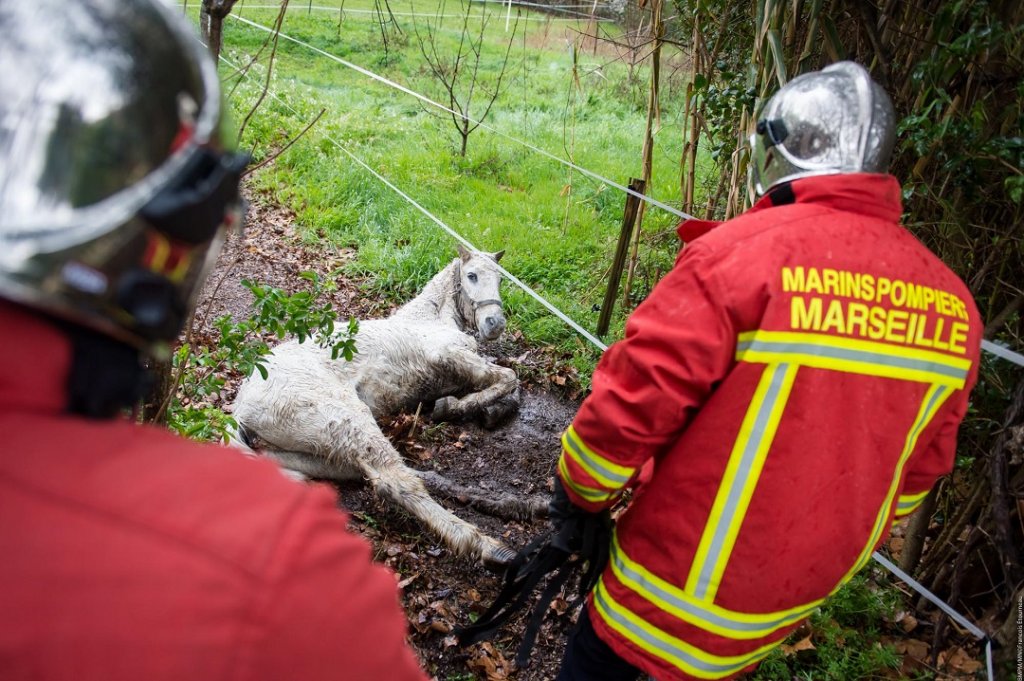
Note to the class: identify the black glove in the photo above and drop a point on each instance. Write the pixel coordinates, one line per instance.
(579, 531)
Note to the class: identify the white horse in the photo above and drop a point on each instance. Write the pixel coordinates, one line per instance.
(318, 416)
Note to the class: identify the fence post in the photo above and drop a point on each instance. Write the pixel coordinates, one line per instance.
(621, 251)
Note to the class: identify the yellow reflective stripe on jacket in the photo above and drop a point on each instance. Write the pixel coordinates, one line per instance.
(706, 616)
(908, 503)
(607, 473)
(596, 496)
(933, 399)
(853, 356)
(684, 656)
(741, 475)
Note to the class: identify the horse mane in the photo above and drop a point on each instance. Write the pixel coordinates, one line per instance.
(438, 300)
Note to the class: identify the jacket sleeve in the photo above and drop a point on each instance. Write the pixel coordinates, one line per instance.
(326, 610)
(679, 343)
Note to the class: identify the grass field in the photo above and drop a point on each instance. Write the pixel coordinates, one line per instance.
(558, 226)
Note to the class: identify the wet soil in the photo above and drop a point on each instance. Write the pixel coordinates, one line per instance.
(439, 590)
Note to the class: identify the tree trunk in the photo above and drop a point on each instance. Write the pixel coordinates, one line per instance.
(917, 531)
(211, 23)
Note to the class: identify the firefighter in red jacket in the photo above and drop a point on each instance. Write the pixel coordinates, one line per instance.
(128, 553)
(795, 382)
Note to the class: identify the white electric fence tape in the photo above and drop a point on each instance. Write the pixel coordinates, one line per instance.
(373, 12)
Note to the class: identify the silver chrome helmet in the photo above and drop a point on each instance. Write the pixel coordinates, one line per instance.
(115, 188)
(828, 122)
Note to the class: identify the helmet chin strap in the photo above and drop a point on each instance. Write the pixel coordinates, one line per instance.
(106, 375)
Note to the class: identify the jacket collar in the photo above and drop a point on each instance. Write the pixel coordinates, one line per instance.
(869, 194)
(35, 358)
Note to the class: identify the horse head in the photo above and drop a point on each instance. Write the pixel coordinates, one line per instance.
(479, 297)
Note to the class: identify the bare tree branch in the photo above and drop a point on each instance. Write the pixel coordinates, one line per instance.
(293, 140)
(459, 73)
(270, 68)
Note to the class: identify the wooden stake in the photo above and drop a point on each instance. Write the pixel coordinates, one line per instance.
(621, 251)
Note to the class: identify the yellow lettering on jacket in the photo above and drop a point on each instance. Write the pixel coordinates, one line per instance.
(862, 305)
(804, 315)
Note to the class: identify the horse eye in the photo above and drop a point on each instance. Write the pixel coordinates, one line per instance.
(472, 277)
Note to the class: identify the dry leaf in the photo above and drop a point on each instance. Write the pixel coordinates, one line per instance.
(909, 623)
(913, 647)
(802, 644)
(408, 580)
(441, 626)
(896, 545)
(958, 660)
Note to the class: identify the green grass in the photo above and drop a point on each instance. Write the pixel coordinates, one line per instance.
(559, 227)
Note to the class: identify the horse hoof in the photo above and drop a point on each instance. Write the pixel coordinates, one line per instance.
(498, 559)
(443, 408)
(499, 412)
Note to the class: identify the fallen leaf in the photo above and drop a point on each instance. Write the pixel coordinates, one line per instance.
(408, 580)
(441, 626)
(802, 644)
(958, 660)
(896, 545)
(913, 647)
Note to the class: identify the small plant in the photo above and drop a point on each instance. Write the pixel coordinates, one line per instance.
(201, 372)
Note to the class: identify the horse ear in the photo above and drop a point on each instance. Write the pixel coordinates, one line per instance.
(464, 253)
(497, 256)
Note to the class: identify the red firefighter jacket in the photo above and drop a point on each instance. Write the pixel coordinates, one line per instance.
(797, 380)
(129, 553)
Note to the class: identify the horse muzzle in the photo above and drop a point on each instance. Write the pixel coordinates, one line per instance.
(490, 322)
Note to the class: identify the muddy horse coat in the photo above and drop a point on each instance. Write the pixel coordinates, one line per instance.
(318, 415)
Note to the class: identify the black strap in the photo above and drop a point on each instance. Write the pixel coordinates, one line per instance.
(541, 609)
(543, 556)
(523, 574)
(106, 375)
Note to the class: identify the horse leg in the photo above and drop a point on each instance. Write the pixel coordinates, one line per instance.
(399, 484)
(335, 442)
(494, 389)
(498, 504)
(349, 439)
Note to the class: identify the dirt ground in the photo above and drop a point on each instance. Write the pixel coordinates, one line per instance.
(439, 590)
